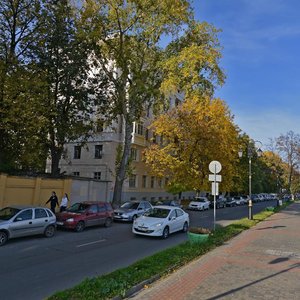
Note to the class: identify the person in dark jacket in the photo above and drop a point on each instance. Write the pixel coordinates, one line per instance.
(53, 202)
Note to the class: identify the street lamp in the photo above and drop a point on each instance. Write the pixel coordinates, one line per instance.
(251, 149)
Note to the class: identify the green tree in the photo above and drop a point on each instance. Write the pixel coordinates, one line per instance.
(18, 113)
(62, 63)
(126, 37)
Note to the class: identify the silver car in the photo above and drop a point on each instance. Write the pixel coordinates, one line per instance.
(129, 211)
(19, 221)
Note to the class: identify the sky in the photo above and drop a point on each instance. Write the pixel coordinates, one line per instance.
(261, 60)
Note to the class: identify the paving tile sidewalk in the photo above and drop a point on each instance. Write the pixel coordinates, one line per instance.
(260, 263)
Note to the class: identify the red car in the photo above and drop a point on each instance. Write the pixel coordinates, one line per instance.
(85, 214)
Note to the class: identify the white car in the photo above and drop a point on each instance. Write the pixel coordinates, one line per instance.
(161, 221)
(200, 203)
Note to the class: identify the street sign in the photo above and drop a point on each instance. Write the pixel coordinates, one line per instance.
(217, 178)
(215, 188)
(215, 166)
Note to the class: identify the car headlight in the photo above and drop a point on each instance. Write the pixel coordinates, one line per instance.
(125, 215)
(70, 220)
(158, 224)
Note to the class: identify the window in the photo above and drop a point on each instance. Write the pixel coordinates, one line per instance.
(147, 134)
(98, 151)
(152, 182)
(50, 213)
(159, 182)
(97, 175)
(142, 205)
(166, 181)
(93, 209)
(77, 152)
(101, 208)
(148, 205)
(76, 174)
(24, 215)
(132, 181)
(40, 213)
(144, 181)
(161, 140)
(173, 214)
(179, 212)
(154, 138)
(99, 125)
(139, 129)
(133, 154)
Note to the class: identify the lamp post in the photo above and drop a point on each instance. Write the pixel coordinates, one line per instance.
(251, 150)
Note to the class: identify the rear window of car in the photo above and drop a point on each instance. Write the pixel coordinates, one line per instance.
(40, 213)
(130, 205)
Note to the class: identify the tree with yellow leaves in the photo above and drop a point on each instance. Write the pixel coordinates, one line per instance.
(196, 132)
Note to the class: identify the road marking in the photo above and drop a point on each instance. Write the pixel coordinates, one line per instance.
(87, 244)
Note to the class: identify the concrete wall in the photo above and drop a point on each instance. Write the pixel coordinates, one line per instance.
(30, 191)
(92, 190)
(36, 191)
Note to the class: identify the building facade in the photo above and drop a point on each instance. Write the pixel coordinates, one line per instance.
(96, 160)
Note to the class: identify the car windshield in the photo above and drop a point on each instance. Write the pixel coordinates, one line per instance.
(200, 200)
(130, 205)
(78, 207)
(158, 213)
(8, 212)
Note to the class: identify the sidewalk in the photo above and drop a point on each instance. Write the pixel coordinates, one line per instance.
(260, 263)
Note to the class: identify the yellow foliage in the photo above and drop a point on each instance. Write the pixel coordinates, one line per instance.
(196, 132)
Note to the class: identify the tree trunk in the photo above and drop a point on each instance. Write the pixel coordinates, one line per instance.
(55, 158)
(121, 171)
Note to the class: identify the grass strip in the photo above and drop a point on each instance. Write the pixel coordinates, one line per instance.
(117, 283)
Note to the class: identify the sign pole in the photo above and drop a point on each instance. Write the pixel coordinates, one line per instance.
(215, 167)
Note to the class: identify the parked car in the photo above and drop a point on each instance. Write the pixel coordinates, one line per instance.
(169, 203)
(220, 203)
(200, 203)
(19, 221)
(239, 200)
(230, 202)
(246, 198)
(161, 221)
(255, 198)
(86, 214)
(129, 211)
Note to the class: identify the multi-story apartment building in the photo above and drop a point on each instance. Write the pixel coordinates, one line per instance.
(96, 160)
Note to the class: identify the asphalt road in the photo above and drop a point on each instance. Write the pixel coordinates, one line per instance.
(36, 267)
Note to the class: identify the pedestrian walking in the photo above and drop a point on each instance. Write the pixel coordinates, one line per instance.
(53, 201)
(64, 202)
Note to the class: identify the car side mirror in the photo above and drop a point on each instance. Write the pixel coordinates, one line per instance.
(140, 208)
(18, 219)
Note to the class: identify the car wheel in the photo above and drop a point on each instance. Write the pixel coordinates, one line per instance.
(185, 227)
(3, 238)
(165, 233)
(49, 231)
(108, 222)
(79, 226)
